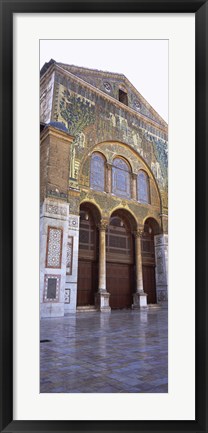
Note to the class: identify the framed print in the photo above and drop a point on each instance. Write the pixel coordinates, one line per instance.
(103, 328)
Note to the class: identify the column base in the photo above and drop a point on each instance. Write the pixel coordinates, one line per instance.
(139, 300)
(102, 301)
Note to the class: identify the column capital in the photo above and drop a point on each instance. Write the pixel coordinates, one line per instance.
(108, 165)
(138, 233)
(102, 225)
(134, 176)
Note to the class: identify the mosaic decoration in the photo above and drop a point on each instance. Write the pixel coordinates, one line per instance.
(67, 296)
(155, 198)
(160, 266)
(158, 240)
(143, 187)
(51, 288)
(120, 178)
(94, 119)
(73, 223)
(137, 105)
(97, 172)
(107, 86)
(54, 248)
(162, 295)
(109, 202)
(77, 111)
(69, 255)
(161, 153)
(74, 205)
(57, 210)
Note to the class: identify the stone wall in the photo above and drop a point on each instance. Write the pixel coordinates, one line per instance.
(53, 242)
(54, 160)
(92, 119)
(46, 98)
(72, 261)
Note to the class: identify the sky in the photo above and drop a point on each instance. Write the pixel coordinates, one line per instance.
(143, 62)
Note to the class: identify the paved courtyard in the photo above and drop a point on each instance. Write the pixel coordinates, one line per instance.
(91, 352)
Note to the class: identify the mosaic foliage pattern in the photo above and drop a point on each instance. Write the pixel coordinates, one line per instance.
(91, 125)
(97, 172)
(93, 119)
(143, 187)
(78, 112)
(161, 153)
(54, 248)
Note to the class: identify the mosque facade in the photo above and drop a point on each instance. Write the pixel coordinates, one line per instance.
(103, 194)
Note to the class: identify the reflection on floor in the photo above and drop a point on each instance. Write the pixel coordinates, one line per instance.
(122, 351)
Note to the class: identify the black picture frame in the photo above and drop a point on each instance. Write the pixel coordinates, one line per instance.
(8, 8)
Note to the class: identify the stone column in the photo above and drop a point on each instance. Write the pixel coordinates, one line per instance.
(140, 298)
(134, 186)
(102, 296)
(108, 177)
(161, 271)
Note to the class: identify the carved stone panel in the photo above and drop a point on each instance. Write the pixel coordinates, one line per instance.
(55, 209)
(54, 247)
(69, 255)
(51, 288)
(67, 296)
(73, 223)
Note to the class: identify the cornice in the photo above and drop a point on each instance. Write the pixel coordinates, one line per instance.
(51, 131)
(55, 67)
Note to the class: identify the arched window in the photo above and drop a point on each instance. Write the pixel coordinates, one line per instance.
(97, 172)
(121, 178)
(143, 187)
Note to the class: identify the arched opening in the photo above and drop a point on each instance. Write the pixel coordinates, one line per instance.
(121, 185)
(97, 172)
(143, 189)
(120, 272)
(151, 228)
(88, 255)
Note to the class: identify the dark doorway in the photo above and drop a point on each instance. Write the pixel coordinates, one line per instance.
(151, 228)
(120, 260)
(149, 283)
(87, 263)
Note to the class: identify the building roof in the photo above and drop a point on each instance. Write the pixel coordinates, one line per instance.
(106, 82)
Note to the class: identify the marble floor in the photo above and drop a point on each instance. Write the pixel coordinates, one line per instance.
(119, 352)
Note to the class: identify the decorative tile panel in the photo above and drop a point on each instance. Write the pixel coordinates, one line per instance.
(54, 247)
(67, 296)
(69, 255)
(56, 210)
(73, 223)
(51, 288)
